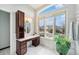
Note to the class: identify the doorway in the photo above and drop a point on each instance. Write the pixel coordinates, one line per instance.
(4, 33)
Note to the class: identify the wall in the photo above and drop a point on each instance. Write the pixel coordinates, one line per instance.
(4, 29)
(77, 29)
(70, 16)
(12, 9)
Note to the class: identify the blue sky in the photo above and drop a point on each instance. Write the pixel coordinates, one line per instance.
(41, 22)
(49, 21)
(60, 20)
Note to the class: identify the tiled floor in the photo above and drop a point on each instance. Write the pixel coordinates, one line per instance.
(40, 50)
(5, 51)
(72, 50)
(77, 47)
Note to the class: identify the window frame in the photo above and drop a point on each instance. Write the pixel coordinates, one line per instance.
(54, 29)
(65, 22)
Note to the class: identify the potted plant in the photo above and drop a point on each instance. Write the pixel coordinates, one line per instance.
(62, 44)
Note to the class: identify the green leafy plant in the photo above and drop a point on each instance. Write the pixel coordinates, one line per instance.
(62, 44)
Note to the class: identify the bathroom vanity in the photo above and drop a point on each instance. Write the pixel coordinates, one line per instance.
(21, 42)
(21, 45)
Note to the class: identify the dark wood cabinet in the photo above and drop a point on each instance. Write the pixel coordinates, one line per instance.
(36, 41)
(19, 24)
(21, 47)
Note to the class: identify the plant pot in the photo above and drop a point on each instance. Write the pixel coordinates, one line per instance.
(62, 44)
(62, 50)
(61, 54)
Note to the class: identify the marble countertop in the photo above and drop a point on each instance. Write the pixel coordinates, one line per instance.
(29, 37)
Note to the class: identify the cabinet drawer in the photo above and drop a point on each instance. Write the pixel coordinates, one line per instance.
(35, 42)
(23, 51)
(23, 43)
(23, 46)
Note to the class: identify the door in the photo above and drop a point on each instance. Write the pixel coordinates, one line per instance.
(4, 29)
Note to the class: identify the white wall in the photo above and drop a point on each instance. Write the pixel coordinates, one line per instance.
(77, 20)
(12, 9)
(77, 29)
(70, 16)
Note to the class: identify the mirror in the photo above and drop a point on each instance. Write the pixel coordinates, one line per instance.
(27, 25)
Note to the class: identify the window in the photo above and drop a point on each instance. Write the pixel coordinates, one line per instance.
(46, 27)
(55, 23)
(60, 23)
(49, 26)
(41, 27)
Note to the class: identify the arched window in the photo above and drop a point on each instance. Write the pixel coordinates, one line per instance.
(50, 25)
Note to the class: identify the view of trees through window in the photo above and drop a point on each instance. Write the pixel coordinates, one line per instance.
(46, 25)
(49, 26)
(60, 23)
(41, 27)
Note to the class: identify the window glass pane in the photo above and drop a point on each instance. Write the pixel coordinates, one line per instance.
(60, 23)
(49, 26)
(41, 27)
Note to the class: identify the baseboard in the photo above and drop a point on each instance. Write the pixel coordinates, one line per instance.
(5, 47)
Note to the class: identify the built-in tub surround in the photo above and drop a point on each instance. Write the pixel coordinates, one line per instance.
(49, 43)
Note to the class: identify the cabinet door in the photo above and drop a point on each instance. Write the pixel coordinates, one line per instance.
(21, 19)
(19, 24)
(36, 41)
(21, 47)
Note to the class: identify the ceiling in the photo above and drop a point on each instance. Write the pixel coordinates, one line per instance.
(38, 6)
